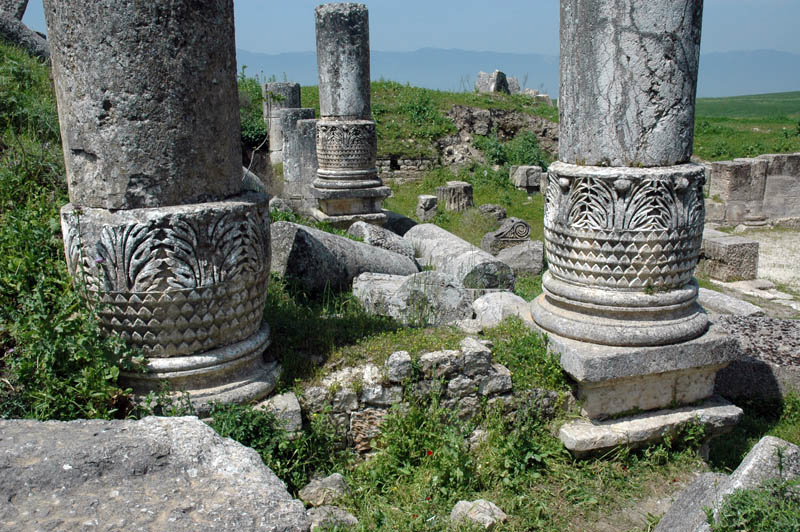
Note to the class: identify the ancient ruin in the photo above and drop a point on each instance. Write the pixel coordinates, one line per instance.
(160, 235)
(347, 187)
(624, 220)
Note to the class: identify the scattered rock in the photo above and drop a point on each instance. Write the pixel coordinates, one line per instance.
(473, 121)
(397, 223)
(426, 298)
(286, 409)
(280, 205)
(497, 382)
(328, 517)
(476, 439)
(440, 364)
(492, 210)
(324, 491)
(480, 512)
(526, 258)
(494, 82)
(377, 236)
(133, 475)
(426, 207)
(491, 309)
(455, 196)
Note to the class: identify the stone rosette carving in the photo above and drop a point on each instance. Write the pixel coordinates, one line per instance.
(346, 154)
(621, 245)
(173, 281)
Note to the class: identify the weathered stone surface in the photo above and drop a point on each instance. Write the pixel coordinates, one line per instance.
(770, 458)
(383, 238)
(426, 298)
(398, 366)
(137, 475)
(497, 381)
(526, 177)
(440, 364)
(13, 8)
(727, 257)
(397, 223)
(513, 85)
(644, 292)
(725, 304)
(276, 97)
(14, 31)
(146, 129)
(328, 517)
(494, 82)
(476, 357)
(343, 60)
(380, 395)
(318, 259)
(455, 195)
(491, 309)
(426, 207)
(512, 232)
(365, 426)
(627, 88)
(583, 436)
(481, 512)
(286, 409)
(471, 266)
(492, 210)
(526, 258)
(324, 491)
(782, 196)
(279, 205)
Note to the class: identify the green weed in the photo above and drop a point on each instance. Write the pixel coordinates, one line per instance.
(775, 507)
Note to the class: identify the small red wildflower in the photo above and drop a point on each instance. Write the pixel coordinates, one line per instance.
(429, 453)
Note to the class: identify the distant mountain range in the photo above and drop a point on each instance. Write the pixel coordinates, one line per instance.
(721, 74)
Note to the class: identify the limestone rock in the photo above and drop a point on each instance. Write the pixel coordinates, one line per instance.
(491, 309)
(526, 258)
(286, 409)
(426, 298)
(280, 205)
(324, 491)
(398, 366)
(426, 207)
(728, 258)
(440, 364)
(526, 177)
(14, 31)
(725, 304)
(498, 212)
(397, 223)
(513, 85)
(455, 196)
(512, 232)
(317, 259)
(480, 512)
(377, 236)
(497, 382)
(137, 475)
(13, 8)
(494, 82)
(327, 517)
(476, 359)
(447, 253)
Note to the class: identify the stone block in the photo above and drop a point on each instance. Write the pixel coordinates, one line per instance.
(324, 491)
(725, 304)
(379, 395)
(70, 475)
(426, 207)
(782, 196)
(526, 177)
(727, 257)
(318, 259)
(614, 380)
(491, 309)
(455, 196)
(496, 382)
(715, 211)
(731, 181)
(494, 82)
(582, 437)
(479, 513)
(513, 86)
(447, 253)
(526, 258)
(512, 231)
(426, 298)
(398, 367)
(494, 211)
(286, 409)
(440, 364)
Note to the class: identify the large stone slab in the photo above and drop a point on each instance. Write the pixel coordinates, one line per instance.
(470, 265)
(770, 458)
(377, 236)
(320, 260)
(628, 81)
(616, 380)
(728, 257)
(725, 304)
(427, 298)
(155, 474)
(583, 436)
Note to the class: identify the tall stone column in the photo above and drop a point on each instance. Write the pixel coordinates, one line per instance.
(278, 96)
(159, 232)
(347, 187)
(624, 211)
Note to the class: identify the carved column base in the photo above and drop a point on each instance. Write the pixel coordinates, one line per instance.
(177, 282)
(343, 207)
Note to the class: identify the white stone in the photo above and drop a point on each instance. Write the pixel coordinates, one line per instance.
(480, 512)
(491, 309)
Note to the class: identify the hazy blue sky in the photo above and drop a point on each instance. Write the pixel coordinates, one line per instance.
(521, 26)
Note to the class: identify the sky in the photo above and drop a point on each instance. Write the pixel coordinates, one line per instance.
(515, 26)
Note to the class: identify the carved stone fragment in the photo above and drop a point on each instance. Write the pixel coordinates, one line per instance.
(455, 195)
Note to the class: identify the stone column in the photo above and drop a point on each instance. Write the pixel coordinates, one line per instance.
(347, 187)
(278, 96)
(159, 231)
(624, 210)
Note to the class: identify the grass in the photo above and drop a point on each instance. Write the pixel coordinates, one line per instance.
(774, 507)
(747, 126)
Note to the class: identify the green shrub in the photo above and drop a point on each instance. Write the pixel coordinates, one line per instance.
(775, 507)
(254, 129)
(522, 150)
